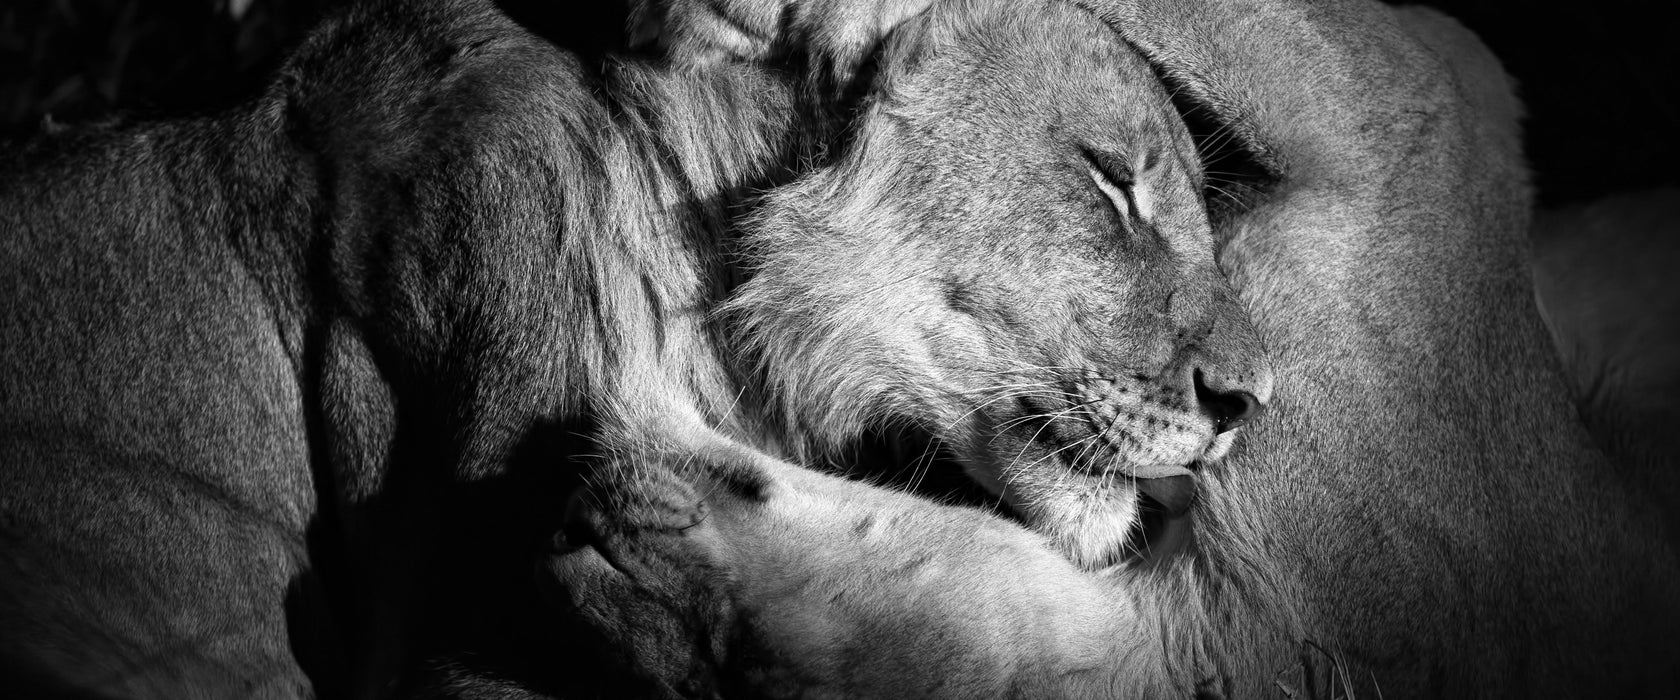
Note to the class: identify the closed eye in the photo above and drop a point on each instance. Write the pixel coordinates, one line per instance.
(1114, 178)
(1119, 194)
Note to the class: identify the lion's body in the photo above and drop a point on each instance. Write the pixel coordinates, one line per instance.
(291, 393)
(1600, 274)
(1424, 469)
(276, 382)
(155, 439)
(1421, 512)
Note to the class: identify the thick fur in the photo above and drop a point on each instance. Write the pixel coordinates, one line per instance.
(698, 32)
(713, 570)
(970, 270)
(284, 389)
(291, 391)
(1421, 512)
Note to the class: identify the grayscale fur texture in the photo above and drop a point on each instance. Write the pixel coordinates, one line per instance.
(1421, 512)
(287, 391)
(295, 392)
(967, 270)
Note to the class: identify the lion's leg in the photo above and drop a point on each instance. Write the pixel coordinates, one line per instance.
(155, 489)
(124, 585)
(788, 582)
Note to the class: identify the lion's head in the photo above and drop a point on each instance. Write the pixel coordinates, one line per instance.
(1017, 263)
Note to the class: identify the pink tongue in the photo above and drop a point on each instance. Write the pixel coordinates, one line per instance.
(1172, 492)
(1157, 471)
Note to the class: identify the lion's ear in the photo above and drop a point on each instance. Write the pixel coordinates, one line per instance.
(700, 32)
(832, 39)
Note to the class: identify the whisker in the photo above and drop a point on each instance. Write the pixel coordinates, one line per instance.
(1034, 439)
(929, 454)
(1061, 449)
(997, 387)
(1006, 425)
(983, 404)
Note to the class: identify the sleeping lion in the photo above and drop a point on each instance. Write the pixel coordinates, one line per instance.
(1420, 513)
(1014, 257)
(294, 394)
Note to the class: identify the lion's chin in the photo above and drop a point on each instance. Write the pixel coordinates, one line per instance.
(1092, 520)
(1095, 531)
(1097, 520)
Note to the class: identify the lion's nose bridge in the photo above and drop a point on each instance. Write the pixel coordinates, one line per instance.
(1228, 366)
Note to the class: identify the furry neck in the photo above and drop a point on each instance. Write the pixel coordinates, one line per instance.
(712, 140)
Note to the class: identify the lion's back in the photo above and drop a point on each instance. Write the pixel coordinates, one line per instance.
(155, 472)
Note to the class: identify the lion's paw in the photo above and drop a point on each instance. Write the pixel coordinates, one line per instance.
(638, 562)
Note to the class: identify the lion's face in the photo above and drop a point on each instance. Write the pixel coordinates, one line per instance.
(1014, 255)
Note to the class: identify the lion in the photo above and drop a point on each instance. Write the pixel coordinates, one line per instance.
(284, 387)
(294, 392)
(1420, 512)
(1059, 325)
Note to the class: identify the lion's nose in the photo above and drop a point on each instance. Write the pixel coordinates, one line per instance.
(1229, 404)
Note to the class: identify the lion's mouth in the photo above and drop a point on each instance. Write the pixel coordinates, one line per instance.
(1172, 493)
(1171, 485)
(1158, 533)
(1102, 508)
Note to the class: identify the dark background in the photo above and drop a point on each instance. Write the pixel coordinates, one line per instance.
(1599, 76)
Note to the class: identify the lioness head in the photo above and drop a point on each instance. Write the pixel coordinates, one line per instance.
(1012, 254)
